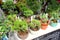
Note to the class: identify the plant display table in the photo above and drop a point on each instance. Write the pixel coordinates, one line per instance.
(36, 35)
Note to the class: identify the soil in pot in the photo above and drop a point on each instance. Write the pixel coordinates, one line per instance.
(35, 29)
(23, 35)
(44, 26)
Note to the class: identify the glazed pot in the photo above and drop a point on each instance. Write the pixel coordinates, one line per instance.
(23, 35)
(53, 24)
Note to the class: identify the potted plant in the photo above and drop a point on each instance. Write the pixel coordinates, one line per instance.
(28, 14)
(54, 18)
(21, 27)
(4, 29)
(35, 25)
(26, 11)
(44, 21)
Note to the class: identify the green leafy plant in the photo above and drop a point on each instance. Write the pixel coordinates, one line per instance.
(54, 15)
(13, 12)
(34, 23)
(34, 5)
(20, 25)
(52, 6)
(21, 6)
(44, 17)
(28, 13)
(8, 5)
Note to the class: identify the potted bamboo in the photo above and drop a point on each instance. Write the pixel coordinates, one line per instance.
(44, 21)
(21, 27)
(35, 25)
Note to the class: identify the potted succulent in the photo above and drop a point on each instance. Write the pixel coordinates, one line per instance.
(35, 25)
(21, 27)
(44, 21)
(54, 18)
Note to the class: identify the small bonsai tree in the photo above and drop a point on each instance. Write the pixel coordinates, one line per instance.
(26, 11)
(8, 6)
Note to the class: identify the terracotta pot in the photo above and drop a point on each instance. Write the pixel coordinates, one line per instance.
(35, 29)
(44, 26)
(23, 35)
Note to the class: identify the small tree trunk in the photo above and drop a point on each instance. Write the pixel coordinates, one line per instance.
(0, 2)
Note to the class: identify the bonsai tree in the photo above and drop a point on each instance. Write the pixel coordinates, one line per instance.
(28, 13)
(21, 6)
(8, 6)
(21, 27)
(35, 24)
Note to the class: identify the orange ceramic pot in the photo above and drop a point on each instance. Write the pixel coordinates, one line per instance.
(44, 25)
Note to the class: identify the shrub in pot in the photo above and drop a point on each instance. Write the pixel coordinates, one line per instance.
(44, 21)
(54, 18)
(22, 27)
(26, 11)
(35, 25)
